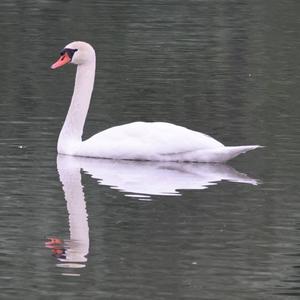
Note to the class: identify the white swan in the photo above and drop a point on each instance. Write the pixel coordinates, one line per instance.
(155, 141)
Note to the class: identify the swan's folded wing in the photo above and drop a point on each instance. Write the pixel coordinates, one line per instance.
(140, 140)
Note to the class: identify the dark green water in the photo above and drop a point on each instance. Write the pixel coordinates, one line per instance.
(151, 231)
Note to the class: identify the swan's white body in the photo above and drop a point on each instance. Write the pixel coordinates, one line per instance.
(155, 141)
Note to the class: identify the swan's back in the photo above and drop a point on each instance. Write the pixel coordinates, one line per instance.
(147, 141)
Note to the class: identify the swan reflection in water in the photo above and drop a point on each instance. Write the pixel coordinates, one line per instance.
(134, 179)
(72, 253)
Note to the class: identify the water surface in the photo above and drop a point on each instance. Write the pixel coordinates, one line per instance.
(80, 228)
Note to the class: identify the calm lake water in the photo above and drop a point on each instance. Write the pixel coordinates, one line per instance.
(80, 228)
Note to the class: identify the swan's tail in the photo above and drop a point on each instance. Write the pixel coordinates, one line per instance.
(231, 152)
(210, 155)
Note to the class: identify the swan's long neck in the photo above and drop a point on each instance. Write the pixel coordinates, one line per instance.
(70, 136)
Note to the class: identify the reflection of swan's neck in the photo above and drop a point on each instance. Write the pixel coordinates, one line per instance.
(70, 178)
(71, 133)
(76, 206)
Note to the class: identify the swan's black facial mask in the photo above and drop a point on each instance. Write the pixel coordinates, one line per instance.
(66, 56)
(69, 52)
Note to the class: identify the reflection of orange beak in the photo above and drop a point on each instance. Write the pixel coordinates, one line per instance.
(64, 59)
(58, 251)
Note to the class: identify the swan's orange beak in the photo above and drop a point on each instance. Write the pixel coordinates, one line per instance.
(64, 59)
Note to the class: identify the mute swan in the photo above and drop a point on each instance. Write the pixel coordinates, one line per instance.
(154, 141)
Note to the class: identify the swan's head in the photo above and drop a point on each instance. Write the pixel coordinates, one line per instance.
(77, 53)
